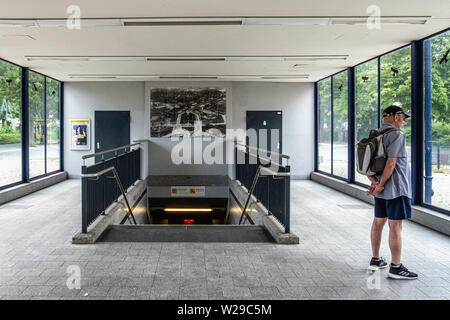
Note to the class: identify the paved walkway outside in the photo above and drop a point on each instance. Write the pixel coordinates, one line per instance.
(329, 263)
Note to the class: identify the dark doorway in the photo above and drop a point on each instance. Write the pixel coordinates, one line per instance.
(267, 120)
(112, 130)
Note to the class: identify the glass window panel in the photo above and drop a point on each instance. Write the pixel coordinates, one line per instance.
(10, 123)
(53, 126)
(324, 130)
(395, 79)
(437, 122)
(340, 125)
(366, 96)
(36, 124)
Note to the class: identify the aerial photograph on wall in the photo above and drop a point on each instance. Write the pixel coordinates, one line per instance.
(193, 112)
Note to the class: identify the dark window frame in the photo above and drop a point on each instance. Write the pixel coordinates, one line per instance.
(316, 99)
(417, 83)
(25, 126)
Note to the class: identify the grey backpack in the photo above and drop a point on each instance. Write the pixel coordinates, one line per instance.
(370, 153)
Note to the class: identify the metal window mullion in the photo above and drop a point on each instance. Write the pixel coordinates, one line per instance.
(332, 125)
(379, 90)
(25, 126)
(61, 126)
(45, 125)
(316, 126)
(351, 116)
(417, 121)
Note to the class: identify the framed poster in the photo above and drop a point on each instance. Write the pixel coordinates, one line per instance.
(194, 112)
(81, 134)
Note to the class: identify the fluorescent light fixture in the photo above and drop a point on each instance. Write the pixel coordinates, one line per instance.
(85, 58)
(213, 21)
(117, 58)
(136, 77)
(211, 77)
(387, 20)
(17, 23)
(239, 77)
(316, 58)
(254, 58)
(287, 21)
(49, 58)
(189, 77)
(187, 210)
(83, 23)
(187, 58)
(285, 77)
(180, 22)
(113, 76)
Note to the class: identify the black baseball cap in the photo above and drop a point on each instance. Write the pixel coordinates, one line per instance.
(392, 110)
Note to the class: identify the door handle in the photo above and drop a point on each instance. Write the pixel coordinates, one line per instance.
(98, 145)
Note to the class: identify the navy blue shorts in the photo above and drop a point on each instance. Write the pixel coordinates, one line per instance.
(394, 209)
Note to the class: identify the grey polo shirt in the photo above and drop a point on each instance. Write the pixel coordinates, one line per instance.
(399, 184)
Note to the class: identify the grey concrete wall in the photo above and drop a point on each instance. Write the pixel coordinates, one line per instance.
(426, 217)
(81, 99)
(296, 100)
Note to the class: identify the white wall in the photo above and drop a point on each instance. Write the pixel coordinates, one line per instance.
(81, 99)
(296, 100)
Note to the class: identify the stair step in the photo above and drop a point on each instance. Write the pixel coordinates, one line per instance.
(183, 233)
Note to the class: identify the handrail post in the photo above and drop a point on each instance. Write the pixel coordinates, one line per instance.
(287, 201)
(250, 192)
(123, 193)
(84, 201)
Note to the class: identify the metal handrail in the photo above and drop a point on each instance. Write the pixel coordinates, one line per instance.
(97, 175)
(281, 175)
(275, 174)
(263, 150)
(264, 171)
(108, 151)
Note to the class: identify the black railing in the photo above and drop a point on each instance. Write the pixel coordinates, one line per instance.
(272, 183)
(99, 191)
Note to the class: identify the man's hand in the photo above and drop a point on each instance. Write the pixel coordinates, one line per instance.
(371, 188)
(375, 188)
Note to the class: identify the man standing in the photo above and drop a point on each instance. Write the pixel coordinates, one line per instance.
(392, 192)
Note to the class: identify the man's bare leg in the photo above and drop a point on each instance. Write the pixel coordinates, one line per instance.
(375, 235)
(395, 240)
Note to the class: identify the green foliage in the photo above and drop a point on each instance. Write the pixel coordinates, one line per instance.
(8, 135)
(10, 104)
(395, 86)
(10, 138)
(7, 129)
(441, 132)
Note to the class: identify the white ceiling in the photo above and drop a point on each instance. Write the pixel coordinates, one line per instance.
(357, 41)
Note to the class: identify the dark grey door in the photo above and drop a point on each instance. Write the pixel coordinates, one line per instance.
(112, 130)
(267, 120)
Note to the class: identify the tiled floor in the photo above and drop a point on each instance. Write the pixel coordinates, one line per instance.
(329, 263)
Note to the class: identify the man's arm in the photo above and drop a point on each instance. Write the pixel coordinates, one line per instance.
(372, 179)
(388, 170)
(387, 173)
